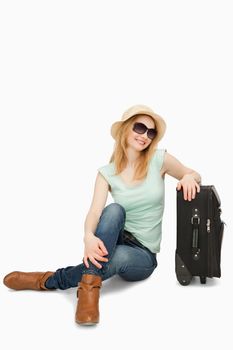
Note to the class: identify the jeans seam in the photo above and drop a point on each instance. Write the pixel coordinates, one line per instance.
(139, 268)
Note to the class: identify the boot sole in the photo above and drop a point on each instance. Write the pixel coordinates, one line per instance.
(87, 323)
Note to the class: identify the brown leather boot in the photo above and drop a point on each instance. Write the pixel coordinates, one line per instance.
(27, 280)
(87, 312)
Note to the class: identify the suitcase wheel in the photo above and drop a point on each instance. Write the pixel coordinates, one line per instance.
(183, 281)
(203, 279)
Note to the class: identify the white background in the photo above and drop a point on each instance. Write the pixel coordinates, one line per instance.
(69, 69)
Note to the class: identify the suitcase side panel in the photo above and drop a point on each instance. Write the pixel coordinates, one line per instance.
(185, 211)
(210, 233)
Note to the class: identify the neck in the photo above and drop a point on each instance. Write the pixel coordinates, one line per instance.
(132, 156)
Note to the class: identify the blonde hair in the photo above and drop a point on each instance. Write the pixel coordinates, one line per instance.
(119, 154)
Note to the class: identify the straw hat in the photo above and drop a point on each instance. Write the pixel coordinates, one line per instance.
(140, 109)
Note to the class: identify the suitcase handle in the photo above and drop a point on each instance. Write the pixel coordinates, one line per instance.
(195, 221)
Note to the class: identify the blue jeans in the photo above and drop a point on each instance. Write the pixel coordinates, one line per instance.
(126, 257)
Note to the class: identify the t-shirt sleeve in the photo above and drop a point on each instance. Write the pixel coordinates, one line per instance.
(158, 158)
(103, 171)
(107, 172)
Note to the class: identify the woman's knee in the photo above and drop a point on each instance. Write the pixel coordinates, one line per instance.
(125, 265)
(135, 274)
(111, 220)
(115, 211)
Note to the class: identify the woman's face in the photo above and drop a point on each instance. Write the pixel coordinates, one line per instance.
(140, 141)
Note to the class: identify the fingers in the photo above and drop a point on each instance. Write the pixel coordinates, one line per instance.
(103, 248)
(100, 254)
(94, 252)
(189, 191)
(85, 262)
(100, 257)
(94, 258)
(95, 262)
(195, 189)
(198, 187)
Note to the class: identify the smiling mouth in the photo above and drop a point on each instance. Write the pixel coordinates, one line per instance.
(140, 142)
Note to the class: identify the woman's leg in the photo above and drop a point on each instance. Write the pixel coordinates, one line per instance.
(129, 262)
(132, 263)
(109, 230)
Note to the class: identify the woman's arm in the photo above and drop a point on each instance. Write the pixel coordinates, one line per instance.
(94, 247)
(188, 178)
(99, 199)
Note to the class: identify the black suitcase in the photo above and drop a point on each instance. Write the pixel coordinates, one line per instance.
(199, 236)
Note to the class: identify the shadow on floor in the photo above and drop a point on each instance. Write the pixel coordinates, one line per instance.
(195, 282)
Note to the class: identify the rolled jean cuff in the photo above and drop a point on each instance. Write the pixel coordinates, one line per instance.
(91, 272)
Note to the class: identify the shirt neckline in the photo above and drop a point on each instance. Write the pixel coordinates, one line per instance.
(132, 186)
(136, 185)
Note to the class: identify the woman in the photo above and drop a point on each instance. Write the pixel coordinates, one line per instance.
(124, 237)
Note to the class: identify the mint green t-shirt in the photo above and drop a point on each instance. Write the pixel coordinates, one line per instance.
(143, 203)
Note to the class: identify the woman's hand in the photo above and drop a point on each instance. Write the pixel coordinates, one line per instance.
(94, 250)
(189, 185)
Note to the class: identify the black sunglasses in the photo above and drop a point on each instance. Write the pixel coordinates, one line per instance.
(141, 128)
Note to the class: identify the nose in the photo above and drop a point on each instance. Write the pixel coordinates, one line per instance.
(144, 136)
